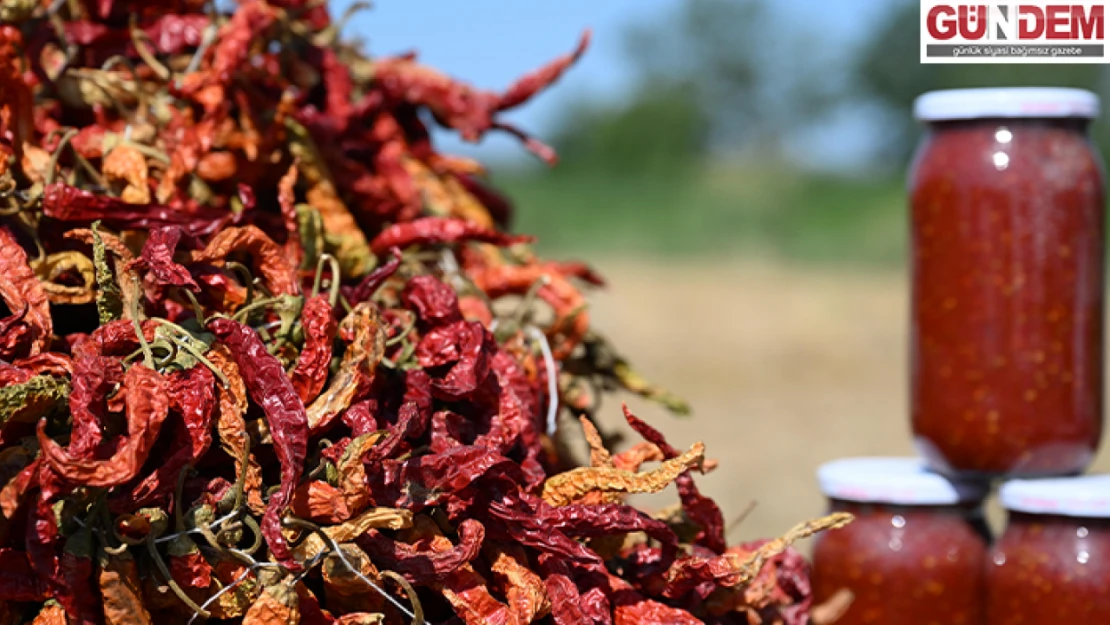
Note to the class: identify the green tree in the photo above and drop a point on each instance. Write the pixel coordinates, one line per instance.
(888, 72)
(716, 75)
(660, 131)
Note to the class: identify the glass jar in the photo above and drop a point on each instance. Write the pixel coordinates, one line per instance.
(1007, 205)
(914, 554)
(1052, 564)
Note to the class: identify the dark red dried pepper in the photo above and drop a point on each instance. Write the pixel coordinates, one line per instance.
(18, 581)
(420, 564)
(157, 257)
(285, 415)
(373, 280)
(147, 407)
(429, 230)
(311, 372)
(701, 510)
(69, 204)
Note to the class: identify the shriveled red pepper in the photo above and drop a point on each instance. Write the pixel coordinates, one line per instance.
(69, 204)
(21, 291)
(193, 398)
(311, 372)
(18, 581)
(157, 257)
(285, 415)
(701, 510)
(80, 599)
(420, 564)
(562, 592)
(269, 262)
(147, 407)
(374, 280)
(429, 230)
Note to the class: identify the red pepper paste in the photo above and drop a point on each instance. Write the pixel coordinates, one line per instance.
(914, 554)
(1052, 564)
(1008, 205)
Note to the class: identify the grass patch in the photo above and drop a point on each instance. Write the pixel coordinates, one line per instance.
(720, 212)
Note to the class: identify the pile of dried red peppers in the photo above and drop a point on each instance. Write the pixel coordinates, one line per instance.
(267, 357)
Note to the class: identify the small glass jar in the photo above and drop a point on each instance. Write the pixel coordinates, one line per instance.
(914, 554)
(1052, 564)
(1007, 218)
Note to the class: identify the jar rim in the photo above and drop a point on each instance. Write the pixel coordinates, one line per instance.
(1006, 102)
(892, 480)
(1083, 496)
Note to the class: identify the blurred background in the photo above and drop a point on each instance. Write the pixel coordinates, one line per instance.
(736, 168)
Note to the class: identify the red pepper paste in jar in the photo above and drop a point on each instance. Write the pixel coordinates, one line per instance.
(914, 554)
(1007, 219)
(1052, 564)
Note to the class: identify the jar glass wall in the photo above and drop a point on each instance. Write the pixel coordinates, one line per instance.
(1051, 568)
(1007, 219)
(914, 553)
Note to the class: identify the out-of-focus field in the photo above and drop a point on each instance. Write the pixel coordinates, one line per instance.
(792, 349)
(719, 210)
(786, 367)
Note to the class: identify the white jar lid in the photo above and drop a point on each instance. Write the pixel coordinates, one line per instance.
(901, 481)
(1084, 496)
(1011, 102)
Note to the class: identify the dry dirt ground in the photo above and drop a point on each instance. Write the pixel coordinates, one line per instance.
(785, 367)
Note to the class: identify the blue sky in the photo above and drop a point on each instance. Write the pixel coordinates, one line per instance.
(491, 42)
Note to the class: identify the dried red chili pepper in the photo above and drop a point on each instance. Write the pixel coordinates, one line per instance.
(311, 372)
(267, 257)
(193, 398)
(523, 589)
(285, 415)
(429, 230)
(701, 510)
(21, 291)
(232, 428)
(70, 204)
(187, 564)
(287, 201)
(236, 36)
(309, 611)
(366, 334)
(419, 564)
(571, 322)
(80, 599)
(42, 535)
(466, 347)
(566, 602)
(374, 280)
(632, 608)
(147, 407)
(157, 257)
(47, 363)
(320, 502)
(579, 521)
(462, 108)
(434, 301)
(120, 588)
(92, 379)
(18, 581)
(523, 523)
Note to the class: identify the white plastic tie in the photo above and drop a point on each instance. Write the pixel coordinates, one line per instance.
(552, 378)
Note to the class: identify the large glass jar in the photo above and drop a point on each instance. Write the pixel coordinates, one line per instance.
(1052, 564)
(914, 554)
(1007, 204)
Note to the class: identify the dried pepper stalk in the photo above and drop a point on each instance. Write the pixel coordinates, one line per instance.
(223, 225)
